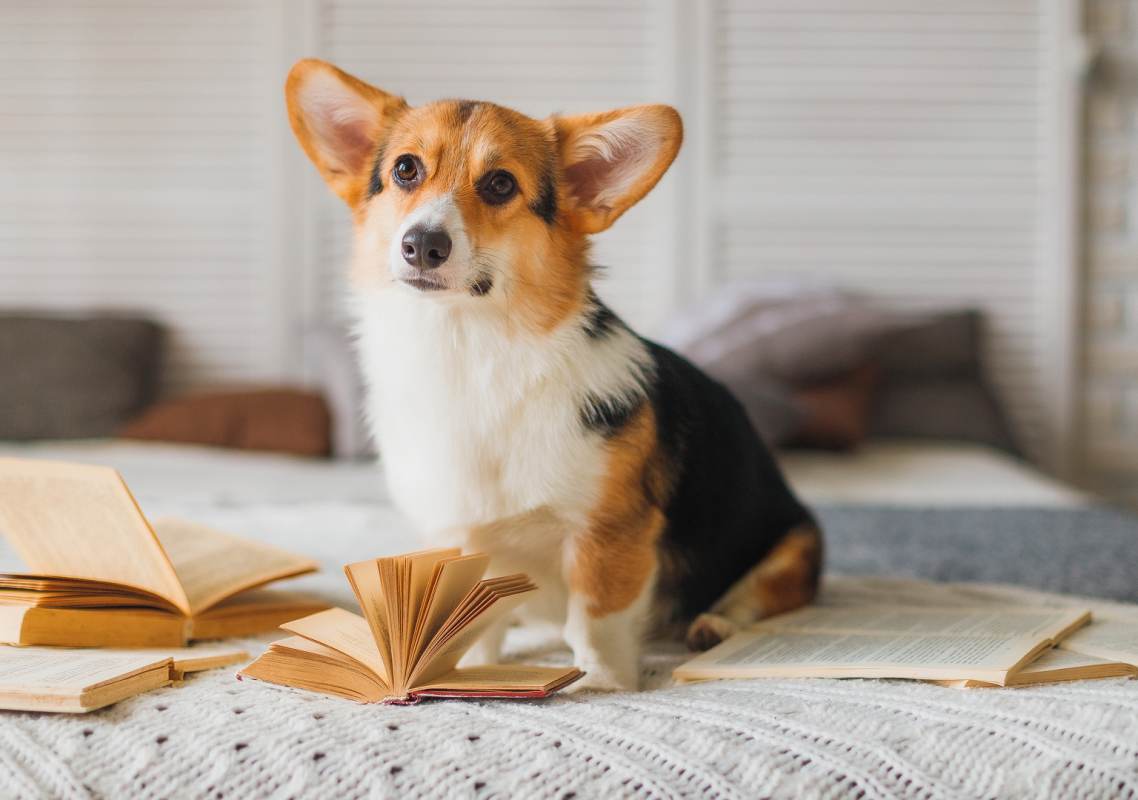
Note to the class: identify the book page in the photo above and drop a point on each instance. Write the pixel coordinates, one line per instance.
(443, 655)
(309, 665)
(1049, 623)
(1053, 666)
(50, 669)
(501, 677)
(451, 582)
(81, 521)
(395, 584)
(1053, 659)
(212, 565)
(1115, 638)
(345, 632)
(422, 570)
(791, 653)
(364, 578)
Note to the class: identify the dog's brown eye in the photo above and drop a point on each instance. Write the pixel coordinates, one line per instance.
(498, 187)
(406, 170)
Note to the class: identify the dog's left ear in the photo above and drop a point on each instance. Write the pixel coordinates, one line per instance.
(612, 159)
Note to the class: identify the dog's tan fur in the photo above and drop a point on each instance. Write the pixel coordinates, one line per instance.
(618, 554)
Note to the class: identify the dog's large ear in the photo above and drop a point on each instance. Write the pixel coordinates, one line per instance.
(612, 159)
(339, 121)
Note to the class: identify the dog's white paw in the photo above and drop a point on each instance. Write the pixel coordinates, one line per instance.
(708, 630)
(599, 679)
(480, 655)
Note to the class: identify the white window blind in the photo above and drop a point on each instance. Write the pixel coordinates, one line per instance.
(131, 150)
(918, 150)
(904, 148)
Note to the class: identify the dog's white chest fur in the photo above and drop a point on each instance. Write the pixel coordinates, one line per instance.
(475, 426)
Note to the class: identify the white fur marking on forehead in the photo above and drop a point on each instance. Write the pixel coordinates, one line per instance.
(439, 212)
(627, 146)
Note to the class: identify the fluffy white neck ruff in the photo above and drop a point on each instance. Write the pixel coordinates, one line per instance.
(476, 426)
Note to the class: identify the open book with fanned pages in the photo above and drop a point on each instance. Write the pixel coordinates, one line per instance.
(101, 575)
(422, 612)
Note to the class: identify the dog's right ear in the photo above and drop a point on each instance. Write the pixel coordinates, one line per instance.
(339, 121)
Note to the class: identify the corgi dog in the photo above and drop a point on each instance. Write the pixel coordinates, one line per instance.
(514, 412)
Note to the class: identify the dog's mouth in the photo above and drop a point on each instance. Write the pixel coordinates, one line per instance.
(480, 288)
(425, 284)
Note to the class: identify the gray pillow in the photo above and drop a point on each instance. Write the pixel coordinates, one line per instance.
(793, 330)
(933, 385)
(762, 337)
(68, 378)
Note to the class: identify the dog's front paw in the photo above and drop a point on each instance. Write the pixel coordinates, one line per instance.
(482, 654)
(708, 630)
(599, 679)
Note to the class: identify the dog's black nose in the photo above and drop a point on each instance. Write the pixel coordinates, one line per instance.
(425, 248)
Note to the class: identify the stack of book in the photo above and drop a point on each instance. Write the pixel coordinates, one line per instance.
(959, 647)
(101, 576)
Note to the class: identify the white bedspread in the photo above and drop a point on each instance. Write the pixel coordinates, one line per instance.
(215, 737)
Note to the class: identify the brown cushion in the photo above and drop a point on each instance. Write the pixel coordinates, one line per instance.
(72, 378)
(837, 412)
(276, 420)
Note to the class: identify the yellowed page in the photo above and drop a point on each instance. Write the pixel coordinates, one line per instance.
(81, 521)
(793, 653)
(311, 666)
(394, 572)
(1055, 665)
(1044, 623)
(451, 583)
(345, 632)
(364, 577)
(422, 569)
(1115, 638)
(443, 656)
(193, 659)
(48, 670)
(212, 565)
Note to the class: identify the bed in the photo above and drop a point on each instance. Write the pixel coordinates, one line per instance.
(215, 737)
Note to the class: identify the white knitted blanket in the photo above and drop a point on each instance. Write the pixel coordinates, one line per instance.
(214, 737)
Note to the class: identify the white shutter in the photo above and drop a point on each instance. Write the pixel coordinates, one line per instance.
(537, 57)
(915, 149)
(131, 150)
(900, 147)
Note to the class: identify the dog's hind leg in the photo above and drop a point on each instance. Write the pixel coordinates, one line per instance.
(785, 579)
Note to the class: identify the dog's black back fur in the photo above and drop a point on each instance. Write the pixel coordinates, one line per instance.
(729, 503)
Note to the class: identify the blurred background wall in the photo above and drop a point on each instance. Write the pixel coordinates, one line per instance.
(1110, 412)
(925, 152)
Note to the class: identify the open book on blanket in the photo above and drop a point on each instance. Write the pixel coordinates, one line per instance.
(1107, 647)
(422, 612)
(101, 575)
(75, 681)
(988, 646)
